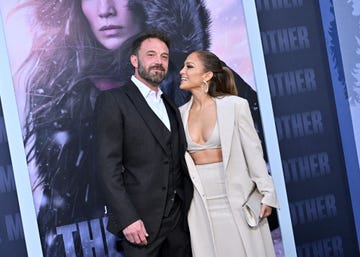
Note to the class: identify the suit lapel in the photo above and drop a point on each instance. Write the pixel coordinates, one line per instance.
(150, 118)
(175, 110)
(225, 117)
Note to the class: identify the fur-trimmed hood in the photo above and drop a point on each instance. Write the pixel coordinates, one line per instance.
(186, 22)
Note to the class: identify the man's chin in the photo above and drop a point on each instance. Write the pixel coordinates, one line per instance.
(156, 79)
(158, 74)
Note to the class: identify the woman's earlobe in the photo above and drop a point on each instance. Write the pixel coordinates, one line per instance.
(209, 75)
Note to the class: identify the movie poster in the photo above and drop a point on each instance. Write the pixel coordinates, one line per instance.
(62, 55)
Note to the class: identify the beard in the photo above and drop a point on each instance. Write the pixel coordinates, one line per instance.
(154, 78)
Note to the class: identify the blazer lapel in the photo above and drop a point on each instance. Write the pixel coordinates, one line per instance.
(150, 118)
(225, 117)
(185, 113)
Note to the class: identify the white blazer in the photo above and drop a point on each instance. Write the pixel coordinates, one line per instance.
(244, 168)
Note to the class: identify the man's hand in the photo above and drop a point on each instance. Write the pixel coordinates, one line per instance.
(136, 233)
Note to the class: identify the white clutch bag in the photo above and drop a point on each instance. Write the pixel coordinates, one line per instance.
(252, 208)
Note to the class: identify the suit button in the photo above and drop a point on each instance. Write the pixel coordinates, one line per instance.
(163, 188)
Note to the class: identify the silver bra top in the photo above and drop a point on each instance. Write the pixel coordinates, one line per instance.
(212, 143)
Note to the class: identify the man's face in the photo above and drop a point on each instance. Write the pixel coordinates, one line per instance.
(152, 61)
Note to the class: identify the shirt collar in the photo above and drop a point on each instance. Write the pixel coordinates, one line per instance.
(144, 90)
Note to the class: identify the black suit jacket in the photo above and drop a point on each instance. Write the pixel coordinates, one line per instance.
(133, 164)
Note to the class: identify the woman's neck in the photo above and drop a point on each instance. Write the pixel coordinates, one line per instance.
(201, 101)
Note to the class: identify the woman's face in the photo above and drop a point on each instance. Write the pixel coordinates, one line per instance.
(192, 74)
(111, 21)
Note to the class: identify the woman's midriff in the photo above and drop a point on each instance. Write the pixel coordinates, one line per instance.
(207, 156)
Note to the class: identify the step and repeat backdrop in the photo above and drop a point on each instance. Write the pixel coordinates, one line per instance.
(341, 23)
(12, 241)
(303, 97)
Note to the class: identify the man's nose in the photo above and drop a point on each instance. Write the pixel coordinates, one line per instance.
(158, 60)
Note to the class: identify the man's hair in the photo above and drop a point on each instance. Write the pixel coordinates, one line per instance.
(146, 35)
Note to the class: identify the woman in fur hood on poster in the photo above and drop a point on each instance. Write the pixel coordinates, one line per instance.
(72, 59)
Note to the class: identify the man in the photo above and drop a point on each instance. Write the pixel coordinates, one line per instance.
(141, 146)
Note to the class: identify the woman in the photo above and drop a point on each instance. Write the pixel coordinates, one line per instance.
(77, 52)
(225, 163)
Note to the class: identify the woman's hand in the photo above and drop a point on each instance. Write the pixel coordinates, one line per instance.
(265, 211)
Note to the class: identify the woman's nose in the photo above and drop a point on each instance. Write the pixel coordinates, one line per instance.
(106, 8)
(182, 71)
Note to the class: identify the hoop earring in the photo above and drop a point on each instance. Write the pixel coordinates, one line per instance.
(205, 87)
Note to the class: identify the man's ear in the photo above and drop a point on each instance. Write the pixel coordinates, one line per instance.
(134, 60)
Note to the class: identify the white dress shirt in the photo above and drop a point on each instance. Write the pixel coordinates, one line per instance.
(154, 100)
